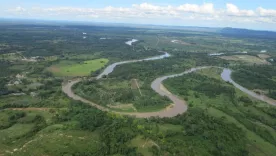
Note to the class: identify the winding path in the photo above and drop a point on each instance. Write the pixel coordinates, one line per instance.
(179, 105)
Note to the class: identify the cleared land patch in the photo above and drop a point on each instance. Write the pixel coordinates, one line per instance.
(60, 142)
(135, 85)
(180, 42)
(143, 145)
(264, 56)
(69, 68)
(245, 58)
(16, 131)
(123, 107)
(11, 56)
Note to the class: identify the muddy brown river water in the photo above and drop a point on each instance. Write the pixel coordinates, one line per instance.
(179, 105)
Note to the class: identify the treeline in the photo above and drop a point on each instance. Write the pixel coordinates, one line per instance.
(4, 77)
(177, 63)
(246, 33)
(3, 88)
(5, 69)
(257, 77)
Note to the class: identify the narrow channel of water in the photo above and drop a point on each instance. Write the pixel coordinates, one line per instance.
(109, 69)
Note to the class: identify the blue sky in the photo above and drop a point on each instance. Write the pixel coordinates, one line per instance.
(253, 14)
(244, 4)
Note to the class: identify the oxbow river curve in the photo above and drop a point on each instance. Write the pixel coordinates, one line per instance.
(179, 105)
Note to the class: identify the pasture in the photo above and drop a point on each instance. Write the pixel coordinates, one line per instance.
(245, 58)
(71, 68)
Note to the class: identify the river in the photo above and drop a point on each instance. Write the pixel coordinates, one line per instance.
(226, 76)
(109, 69)
(179, 106)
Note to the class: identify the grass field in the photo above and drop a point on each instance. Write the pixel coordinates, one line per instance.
(123, 107)
(60, 142)
(171, 127)
(264, 56)
(143, 145)
(16, 131)
(246, 59)
(71, 68)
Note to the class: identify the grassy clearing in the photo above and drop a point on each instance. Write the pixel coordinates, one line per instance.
(171, 127)
(211, 72)
(71, 68)
(11, 56)
(4, 120)
(31, 114)
(16, 131)
(15, 101)
(143, 145)
(246, 58)
(264, 56)
(123, 107)
(67, 142)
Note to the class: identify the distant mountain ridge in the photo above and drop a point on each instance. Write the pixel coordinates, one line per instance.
(236, 32)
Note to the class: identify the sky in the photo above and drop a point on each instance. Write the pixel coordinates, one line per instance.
(251, 14)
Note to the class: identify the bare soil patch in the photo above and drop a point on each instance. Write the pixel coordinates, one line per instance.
(54, 69)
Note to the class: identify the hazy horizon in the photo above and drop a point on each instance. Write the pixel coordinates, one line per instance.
(257, 15)
(126, 24)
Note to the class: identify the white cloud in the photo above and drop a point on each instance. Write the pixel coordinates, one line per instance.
(235, 11)
(17, 9)
(146, 6)
(144, 11)
(266, 12)
(206, 8)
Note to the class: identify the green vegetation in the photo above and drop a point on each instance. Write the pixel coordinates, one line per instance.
(222, 100)
(36, 118)
(62, 142)
(118, 92)
(246, 59)
(67, 68)
(262, 79)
